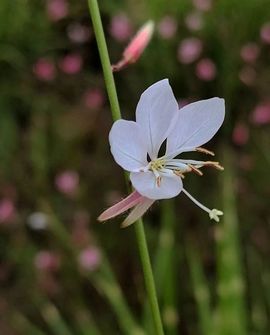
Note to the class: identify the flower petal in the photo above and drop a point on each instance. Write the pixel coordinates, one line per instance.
(197, 123)
(128, 145)
(145, 183)
(130, 201)
(137, 212)
(156, 112)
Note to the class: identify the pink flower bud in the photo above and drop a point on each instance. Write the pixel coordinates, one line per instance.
(90, 258)
(265, 33)
(206, 69)
(203, 5)
(120, 28)
(136, 47)
(167, 27)
(247, 75)
(189, 50)
(261, 114)
(44, 69)
(71, 64)
(57, 9)
(67, 182)
(47, 261)
(250, 52)
(94, 98)
(7, 210)
(240, 134)
(194, 21)
(78, 33)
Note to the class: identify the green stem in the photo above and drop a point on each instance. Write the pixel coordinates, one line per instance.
(116, 115)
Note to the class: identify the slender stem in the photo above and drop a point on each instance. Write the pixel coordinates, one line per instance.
(116, 114)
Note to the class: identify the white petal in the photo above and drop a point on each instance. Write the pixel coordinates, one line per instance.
(128, 145)
(156, 112)
(197, 123)
(145, 183)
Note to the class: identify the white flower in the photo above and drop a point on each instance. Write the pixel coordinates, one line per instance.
(135, 146)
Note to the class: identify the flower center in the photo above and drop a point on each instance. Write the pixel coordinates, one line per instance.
(165, 166)
(157, 164)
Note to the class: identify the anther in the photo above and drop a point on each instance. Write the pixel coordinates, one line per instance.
(194, 169)
(215, 165)
(205, 151)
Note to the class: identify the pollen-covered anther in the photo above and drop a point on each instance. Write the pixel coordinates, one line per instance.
(196, 170)
(205, 151)
(215, 165)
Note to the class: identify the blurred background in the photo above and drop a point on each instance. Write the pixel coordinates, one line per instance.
(61, 272)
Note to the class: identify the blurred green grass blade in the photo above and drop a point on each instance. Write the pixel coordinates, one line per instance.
(104, 281)
(201, 291)
(24, 326)
(231, 312)
(165, 268)
(258, 292)
(85, 324)
(54, 320)
(112, 291)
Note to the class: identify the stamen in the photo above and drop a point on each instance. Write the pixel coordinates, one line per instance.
(205, 151)
(179, 174)
(196, 170)
(213, 213)
(215, 165)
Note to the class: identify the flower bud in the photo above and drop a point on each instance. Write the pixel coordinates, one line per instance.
(136, 47)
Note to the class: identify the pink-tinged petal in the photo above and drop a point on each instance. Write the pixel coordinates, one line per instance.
(136, 47)
(197, 124)
(130, 201)
(146, 184)
(128, 145)
(156, 112)
(137, 212)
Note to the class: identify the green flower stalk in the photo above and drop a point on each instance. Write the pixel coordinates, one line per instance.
(116, 115)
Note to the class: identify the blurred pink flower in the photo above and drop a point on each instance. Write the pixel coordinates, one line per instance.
(265, 33)
(261, 114)
(57, 9)
(120, 28)
(7, 210)
(44, 69)
(71, 64)
(247, 75)
(249, 52)
(240, 135)
(67, 182)
(203, 5)
(47, 261)
(136, 46)
(206, 69)
(94, 98)
(78, 33)
(189, 50)
(167, 27)
(90, 258)
(194, 21)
